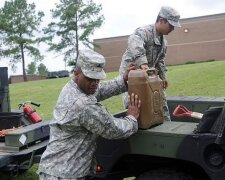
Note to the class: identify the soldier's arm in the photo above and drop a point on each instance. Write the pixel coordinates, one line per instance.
(136, 46)
(114, 87)
(161, 67)
(135, 52)
(98, 120)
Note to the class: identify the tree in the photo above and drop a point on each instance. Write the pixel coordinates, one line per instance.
(31, 68)
(75, 21)
(19, 25)
(42, 70)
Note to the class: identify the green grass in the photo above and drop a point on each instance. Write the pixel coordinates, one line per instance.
(203, 79)
(200, 79)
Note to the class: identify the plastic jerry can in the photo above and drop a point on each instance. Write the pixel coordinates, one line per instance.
(148, 86)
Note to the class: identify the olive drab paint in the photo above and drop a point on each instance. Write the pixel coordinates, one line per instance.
(148, 86)
(4, 90)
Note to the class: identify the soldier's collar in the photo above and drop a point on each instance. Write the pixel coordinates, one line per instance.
(156, 37)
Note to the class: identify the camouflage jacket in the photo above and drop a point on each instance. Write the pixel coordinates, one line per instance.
(78, 120)
(144, 46)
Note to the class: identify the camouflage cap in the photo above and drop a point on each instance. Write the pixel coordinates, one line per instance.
(171, 15)
(91, 64)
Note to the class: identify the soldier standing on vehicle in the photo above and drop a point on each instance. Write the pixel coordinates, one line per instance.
(147, 47)
(79, 120)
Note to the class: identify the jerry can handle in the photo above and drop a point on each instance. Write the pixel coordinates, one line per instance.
(152, 71)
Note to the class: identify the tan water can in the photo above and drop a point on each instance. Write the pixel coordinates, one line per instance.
(148, 86)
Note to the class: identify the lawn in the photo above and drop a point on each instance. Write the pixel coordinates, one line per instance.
(200, 79)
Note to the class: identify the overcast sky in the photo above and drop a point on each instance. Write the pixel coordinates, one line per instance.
(123, 16)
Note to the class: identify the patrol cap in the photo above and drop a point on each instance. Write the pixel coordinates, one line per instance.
(171, 15)
(91, 64)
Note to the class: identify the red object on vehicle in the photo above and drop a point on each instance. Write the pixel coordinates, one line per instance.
(32, 114)
(183, 111)
(99, 168)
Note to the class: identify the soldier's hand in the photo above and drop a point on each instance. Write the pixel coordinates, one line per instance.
(134, 105)
(130, 67)
(165, 84)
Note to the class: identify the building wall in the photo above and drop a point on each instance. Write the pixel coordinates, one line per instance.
(19, 78)
(199, 39)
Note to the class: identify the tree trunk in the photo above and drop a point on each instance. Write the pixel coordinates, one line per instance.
(23, 63)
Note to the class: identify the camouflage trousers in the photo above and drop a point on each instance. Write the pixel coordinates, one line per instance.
(166, 112)
(166, 109)
(43, 176)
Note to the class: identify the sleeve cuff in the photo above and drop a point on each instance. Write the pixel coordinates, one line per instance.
(132, 117)
(141, 60)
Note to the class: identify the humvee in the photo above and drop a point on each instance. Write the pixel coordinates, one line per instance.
(183, 149)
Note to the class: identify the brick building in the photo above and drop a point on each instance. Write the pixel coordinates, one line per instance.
(199, 39)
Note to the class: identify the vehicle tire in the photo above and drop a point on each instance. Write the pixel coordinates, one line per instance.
(22, 171)
(164, 174)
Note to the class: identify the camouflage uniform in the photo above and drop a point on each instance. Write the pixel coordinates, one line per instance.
(146, 47)
(79, 120)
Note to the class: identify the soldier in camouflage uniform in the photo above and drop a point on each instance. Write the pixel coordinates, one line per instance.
(147, 47)
(79, 120)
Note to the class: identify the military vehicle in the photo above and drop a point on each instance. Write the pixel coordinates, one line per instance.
(58, 74)
(23, 146)
(183, 149)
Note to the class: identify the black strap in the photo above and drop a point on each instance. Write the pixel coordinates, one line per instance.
(221, 134)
